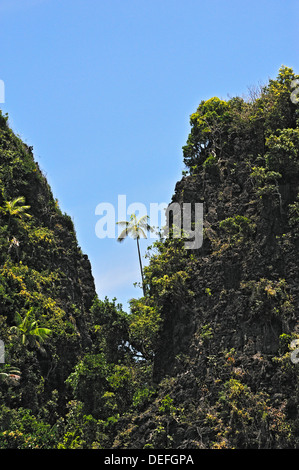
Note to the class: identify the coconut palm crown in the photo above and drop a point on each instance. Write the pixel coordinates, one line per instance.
(136, 229)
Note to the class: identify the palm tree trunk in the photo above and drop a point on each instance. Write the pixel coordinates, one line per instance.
(140, 266)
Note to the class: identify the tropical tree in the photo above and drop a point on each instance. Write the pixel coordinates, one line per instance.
(136, 229)
(28, 330)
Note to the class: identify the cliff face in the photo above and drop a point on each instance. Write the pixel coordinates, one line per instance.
(222, 363)
(246, 284)
(42, 269)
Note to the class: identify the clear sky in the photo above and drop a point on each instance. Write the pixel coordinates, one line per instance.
(103, 91)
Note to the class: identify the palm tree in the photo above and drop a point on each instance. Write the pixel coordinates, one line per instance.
(16, 208)
(136, 228)
(29, 331)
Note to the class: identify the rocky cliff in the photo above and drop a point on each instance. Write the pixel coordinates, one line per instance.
(42, 269)
(230, 309)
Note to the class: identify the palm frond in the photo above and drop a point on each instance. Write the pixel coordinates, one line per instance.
(124, 234)
(14, 207)
(141, 232)
(18, 318)
(136, 228)
(17, 200)
(123, 223)
(143, 220)
(42, 333)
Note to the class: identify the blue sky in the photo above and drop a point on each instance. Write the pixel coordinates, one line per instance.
(103, 91)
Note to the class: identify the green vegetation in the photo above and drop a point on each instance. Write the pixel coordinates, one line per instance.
(202, 359)
(237, 228)
(29, 331)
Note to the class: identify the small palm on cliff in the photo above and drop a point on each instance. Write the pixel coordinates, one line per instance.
(15, 208)
(28, 330)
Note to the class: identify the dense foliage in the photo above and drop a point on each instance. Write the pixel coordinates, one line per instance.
(202, 360)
